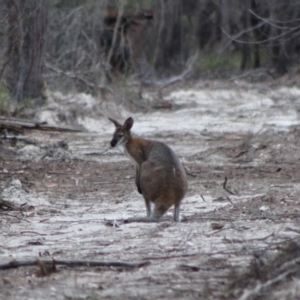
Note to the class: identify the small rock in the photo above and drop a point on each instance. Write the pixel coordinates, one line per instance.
(264, 208)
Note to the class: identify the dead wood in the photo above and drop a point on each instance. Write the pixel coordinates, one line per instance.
(8, 206)
(18, 125)
(73, 263)
(15, 138)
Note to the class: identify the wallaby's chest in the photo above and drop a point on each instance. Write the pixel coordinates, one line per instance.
(127, 153)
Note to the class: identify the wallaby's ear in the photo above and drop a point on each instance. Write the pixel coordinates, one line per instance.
(117, 124)
(128, 123)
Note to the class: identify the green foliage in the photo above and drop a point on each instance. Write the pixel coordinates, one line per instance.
(214, 61)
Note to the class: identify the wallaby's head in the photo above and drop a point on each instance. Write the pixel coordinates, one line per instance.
(122, 132)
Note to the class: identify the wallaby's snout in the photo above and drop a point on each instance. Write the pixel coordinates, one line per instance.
(113, 142)
(117, 138)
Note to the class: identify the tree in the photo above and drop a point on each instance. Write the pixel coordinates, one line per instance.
(25, 47)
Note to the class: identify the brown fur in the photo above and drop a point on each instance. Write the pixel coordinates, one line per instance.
(160, 177)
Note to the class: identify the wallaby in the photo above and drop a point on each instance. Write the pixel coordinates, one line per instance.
(160, 176)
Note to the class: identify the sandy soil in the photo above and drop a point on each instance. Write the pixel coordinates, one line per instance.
(79, 197)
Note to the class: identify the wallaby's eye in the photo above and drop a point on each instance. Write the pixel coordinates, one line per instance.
(120, 135)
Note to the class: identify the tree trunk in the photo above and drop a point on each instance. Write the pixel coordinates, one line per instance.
(225, 41)
(25, 49)
(245, 47)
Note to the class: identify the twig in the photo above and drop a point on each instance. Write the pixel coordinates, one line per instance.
(73, 263)
(172, 256)
(262, 41)
(266, 21)
(246, 240)
(216, 232)
(33, 232)
(226, 189)
(229, 200)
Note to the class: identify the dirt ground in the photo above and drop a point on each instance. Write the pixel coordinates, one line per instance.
(76, 198)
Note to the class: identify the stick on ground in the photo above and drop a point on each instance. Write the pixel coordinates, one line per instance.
(226, 189)
(73, 263)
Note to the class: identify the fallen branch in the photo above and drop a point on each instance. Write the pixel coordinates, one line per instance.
(19, 125)
(73, 263)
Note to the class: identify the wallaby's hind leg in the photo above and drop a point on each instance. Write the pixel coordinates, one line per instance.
(159, 210)
(148, 206)
(176, 212)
